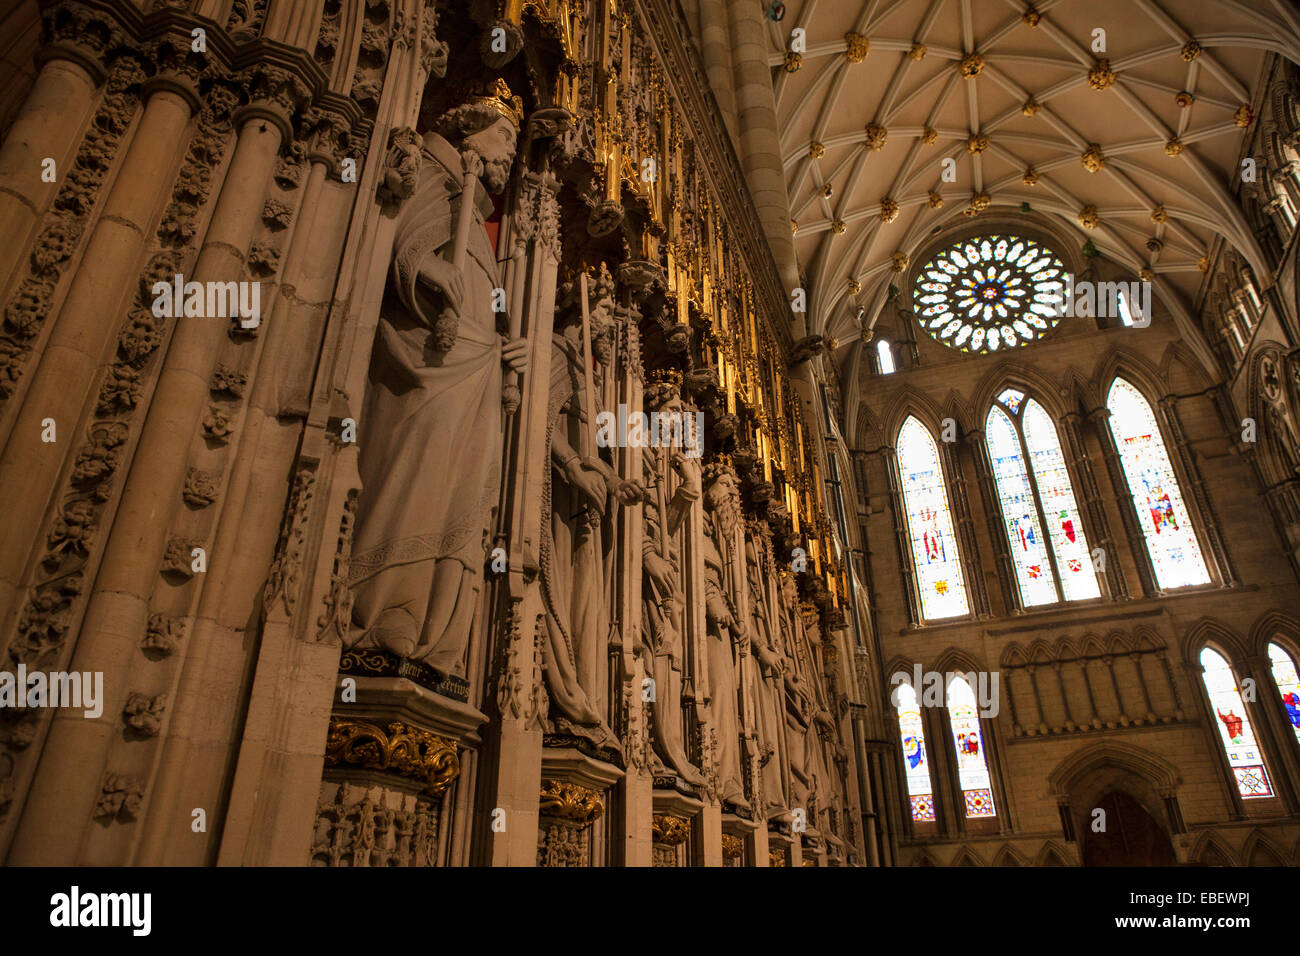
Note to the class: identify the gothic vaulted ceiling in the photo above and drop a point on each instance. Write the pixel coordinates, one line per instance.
(1145, 136)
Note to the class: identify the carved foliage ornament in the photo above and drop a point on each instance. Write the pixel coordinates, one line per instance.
(402, 750)
(570, 802)
(672, 831)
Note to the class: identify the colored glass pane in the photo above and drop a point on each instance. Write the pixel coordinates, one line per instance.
(1161, 513)
(968, 740)
(1288, 684)
(1244, 755)
(990, 293)
(1065, 527)
(929, 521)
(916, 765)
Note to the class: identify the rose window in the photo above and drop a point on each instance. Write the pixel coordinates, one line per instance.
(991, 293)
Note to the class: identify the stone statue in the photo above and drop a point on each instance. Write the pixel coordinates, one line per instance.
(430, 432)
(721, 524)
(582, 492)
(771, 666)
(663, 600)
(806, 714)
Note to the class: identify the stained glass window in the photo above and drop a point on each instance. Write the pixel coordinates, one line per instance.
(1288, 684)
(886, 354)
(1244, 755)
(1034, 497)
(929, 522)
(972, 769)
(1161, 513)
(1019, 513)
(991, 293)
(1064, 526)
(916, 763)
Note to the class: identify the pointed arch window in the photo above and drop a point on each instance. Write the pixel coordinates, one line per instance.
(916, 763)
(1036, 497)
(1244, 756)
(968, 743)
(1166, 526)
(939, 577)
(1288, 684)
(885, 354)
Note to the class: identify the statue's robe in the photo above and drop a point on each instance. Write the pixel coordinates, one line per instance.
(722, 680)
(430, 436)
(573, 558)
(663, 616)
(768, 702)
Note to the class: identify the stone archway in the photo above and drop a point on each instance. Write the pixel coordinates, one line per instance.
(1132, 837)
(1137, 790)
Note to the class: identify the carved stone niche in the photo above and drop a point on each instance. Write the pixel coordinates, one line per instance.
(371, 824)
(573, 797)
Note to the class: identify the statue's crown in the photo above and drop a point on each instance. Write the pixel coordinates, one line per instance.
(666, 376)
(496, 94)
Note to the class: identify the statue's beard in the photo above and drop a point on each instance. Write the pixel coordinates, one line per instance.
(496, 173)
(725, 508)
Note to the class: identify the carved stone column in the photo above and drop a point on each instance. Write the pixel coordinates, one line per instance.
(993, 510)
(1099, 534)
(59, 385)
(118, 608)
(46, 128)
(1100, 417)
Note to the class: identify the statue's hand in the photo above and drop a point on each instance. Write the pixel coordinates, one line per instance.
(626, 491)
(587, 481)
(688, 469)
(514, 353)
(446, 278)
(660, 571)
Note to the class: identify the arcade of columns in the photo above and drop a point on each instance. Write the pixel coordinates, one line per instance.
(365, 581)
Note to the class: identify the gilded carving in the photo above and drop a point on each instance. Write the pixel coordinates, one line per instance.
(672, 831)
(402, 750)
(570, 802)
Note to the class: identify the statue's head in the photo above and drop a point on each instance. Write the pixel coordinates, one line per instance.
(488, 125)
(722, 494)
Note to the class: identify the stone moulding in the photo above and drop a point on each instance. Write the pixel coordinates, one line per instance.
(375, 663)
(402, 750)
